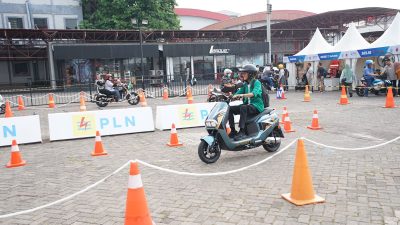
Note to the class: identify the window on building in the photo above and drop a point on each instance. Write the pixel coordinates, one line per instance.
(230, 61)
(21, 69)
(71, 24)
(209, 68)
(15, 23)
(220, 59)
(40, 23)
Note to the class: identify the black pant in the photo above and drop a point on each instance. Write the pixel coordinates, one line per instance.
(394, 85)
(245, 111)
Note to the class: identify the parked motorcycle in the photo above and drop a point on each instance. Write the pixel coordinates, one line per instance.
(2, 105)
(104, 96)
(379, 85)
(262, 129)
(218, 95)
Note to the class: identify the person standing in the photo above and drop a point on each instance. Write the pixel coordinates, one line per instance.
(346, 79)
(282, 77)
(321, 73)
(310, 76)
(390, 74)
(396, 66)
(368, 75)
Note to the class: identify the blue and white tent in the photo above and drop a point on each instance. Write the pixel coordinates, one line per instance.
(316, 45)
(388, 42)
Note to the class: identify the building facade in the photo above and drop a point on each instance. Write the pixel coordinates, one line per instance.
(40, 14)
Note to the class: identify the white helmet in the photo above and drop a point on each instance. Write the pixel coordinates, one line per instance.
(227, 71)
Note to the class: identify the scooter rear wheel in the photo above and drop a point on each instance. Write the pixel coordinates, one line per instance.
(208, 155)
(101, 101)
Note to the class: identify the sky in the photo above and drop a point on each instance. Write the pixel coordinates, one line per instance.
(317, 6)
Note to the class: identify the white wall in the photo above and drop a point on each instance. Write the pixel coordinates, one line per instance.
(194, 23)
(44, 2)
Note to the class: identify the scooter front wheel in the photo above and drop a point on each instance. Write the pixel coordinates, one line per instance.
(273, 142)
(207, 154)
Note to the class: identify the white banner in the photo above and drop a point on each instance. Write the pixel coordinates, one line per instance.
(84, 124)
(24, 129)
(188, 115)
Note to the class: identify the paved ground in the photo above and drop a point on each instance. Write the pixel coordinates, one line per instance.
(360, 187)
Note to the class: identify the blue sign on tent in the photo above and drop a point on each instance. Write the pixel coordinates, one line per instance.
(373, 52)
(329, 56)
(299, 58)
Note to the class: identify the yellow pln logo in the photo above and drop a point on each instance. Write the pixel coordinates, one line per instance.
(84, 125)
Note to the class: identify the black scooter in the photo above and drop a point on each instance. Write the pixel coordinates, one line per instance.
(262, 129)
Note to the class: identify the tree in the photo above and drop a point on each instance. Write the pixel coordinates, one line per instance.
(117, 14)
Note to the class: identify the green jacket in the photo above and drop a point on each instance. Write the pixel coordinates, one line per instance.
(255, 88)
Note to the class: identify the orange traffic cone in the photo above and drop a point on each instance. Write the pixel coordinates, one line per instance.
(174, 138)
(16, 159)
(284, 115)
(314, 123)
(307, 96)
(165, 93)
(228, 129)
(188, 91)
(389, 99)
(82, 106)
(288, 125)
(283, 92)
(20, 103)
(343, 97)
(302, 186)
(51, 101)
(190, 97)
(143, 101)
(98, 146)
(8, 110)
(136, 212)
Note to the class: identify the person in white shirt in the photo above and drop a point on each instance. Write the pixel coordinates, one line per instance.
(109, 85)
(310, 76)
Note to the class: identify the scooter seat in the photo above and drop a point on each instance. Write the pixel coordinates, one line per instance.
(263, 113)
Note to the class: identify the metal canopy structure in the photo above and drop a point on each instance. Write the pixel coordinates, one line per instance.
(31, 44)
(336, 19)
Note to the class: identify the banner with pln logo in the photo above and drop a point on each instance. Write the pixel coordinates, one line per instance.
(73, 125)
(24, 129)
(188, 115)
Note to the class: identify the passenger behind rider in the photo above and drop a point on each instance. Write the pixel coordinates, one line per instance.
(109, 85)
(251, 92)
(368, 75)
(226, 83)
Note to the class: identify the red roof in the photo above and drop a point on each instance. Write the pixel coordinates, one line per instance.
(201, 13)
(277, 15)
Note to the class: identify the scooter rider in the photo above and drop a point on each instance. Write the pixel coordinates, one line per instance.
(368, 75)
(251, 93)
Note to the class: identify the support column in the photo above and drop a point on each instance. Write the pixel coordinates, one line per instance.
(51, 66)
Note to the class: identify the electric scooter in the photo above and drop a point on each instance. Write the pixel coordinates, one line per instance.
(262, 129)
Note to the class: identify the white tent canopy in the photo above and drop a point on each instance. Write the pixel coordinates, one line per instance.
(317, 45)
(351, 40)
(391, 37)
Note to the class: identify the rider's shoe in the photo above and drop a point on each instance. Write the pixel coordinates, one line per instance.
(241, 135)
(232, 134)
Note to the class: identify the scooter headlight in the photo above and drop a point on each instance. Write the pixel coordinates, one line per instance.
(211, 123)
